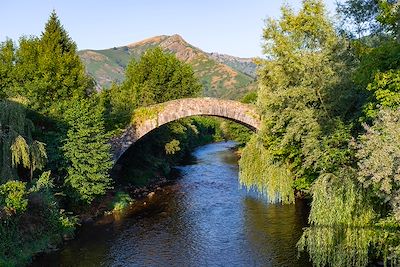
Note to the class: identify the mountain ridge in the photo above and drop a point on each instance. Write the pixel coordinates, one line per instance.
(221, 75)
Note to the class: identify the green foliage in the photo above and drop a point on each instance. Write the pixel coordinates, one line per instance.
(38, 156)
(32, 231)
(234, 131)
(379, 158)
(341, 222)
(121, 201)
(20, 152)
(44, 75)
(48, 71)
(303, 99)
(157, 77)
(389, 16)
(44, 182)
(172, 147)
(7, 59)
(250, 98)
(16, 143)
(30, 157)
(13, 123)
(355, 208)
(13, 197)
(386, 87)
(352, 208)
(378, 74)
(258, 170)
(87, 150)
(345, 229)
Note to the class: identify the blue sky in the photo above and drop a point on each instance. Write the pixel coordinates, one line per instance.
(226, 26)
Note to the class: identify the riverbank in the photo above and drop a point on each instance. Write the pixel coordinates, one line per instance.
(202, 213)
(110, 208)
(107, 204)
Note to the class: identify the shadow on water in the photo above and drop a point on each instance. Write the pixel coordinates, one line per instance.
(205, 219)
(273, 230)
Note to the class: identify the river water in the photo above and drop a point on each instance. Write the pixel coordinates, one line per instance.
(204, 219)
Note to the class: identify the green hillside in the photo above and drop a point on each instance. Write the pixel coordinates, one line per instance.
(218, 79)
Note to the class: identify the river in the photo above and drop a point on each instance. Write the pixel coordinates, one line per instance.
(204, 219)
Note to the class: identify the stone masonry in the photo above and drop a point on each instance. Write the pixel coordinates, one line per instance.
(244, 114)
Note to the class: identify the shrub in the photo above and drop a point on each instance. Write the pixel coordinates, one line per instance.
(13, 197)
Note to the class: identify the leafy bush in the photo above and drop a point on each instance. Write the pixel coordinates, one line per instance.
(88, 151)
(121, 201)
(13, 197)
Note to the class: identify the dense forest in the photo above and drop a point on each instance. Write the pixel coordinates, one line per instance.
(329, 100)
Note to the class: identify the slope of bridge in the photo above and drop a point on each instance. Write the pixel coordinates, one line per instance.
(149, 118)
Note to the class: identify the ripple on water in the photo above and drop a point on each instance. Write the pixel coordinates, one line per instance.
(203, 220)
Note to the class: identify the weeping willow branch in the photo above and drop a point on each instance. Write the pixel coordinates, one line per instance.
(341, 219)
(17, 148)
(257, 170)
(20, 153)
(38, 156)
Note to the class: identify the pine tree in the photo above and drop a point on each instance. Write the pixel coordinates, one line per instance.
(87, 151)
(50, 71)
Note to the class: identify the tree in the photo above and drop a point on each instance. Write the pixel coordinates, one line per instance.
(303, 98)
(358, 17)
(379, 158)
(370, 17)
(17, 147)
(7, 61)
(389, 16)
(355, 209)
(87, 151)
(157, 77)
(49, 71)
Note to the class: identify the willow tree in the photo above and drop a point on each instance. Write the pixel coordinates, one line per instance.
(302, 98)
(17, 147)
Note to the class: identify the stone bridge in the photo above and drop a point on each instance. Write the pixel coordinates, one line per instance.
(146, 119)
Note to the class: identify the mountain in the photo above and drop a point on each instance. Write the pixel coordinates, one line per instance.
(221, 75)
(245, 65)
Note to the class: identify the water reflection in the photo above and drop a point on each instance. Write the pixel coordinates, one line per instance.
(278, 226)
(205, 219)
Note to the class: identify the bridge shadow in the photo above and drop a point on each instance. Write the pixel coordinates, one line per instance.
(153, 155)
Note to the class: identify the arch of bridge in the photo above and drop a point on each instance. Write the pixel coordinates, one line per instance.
(149, 118)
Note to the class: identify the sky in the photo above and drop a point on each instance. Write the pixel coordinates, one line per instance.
(226, 26)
